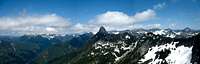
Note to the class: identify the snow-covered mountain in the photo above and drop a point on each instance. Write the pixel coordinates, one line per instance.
(138, 46)
(141, 47)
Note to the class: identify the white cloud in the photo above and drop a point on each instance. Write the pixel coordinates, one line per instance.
(50, 23)
(50, 29)
(159, 6)
(81, 28)
(145, 15)
(115, 20)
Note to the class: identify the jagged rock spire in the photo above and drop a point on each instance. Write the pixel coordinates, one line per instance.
(102, 30)
(99, 35)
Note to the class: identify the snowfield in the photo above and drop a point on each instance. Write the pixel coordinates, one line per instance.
(177, 55)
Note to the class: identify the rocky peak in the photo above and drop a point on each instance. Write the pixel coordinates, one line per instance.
(101, 33)
(102, 30)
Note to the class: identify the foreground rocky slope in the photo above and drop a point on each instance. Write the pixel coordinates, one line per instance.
(152, 47)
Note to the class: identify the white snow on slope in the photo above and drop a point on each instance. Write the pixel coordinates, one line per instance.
(164, 32)
(116, 49)
(48, 36)
(160, 32)
(142, 32)
(178, 33)
(182, 55)
(131, 49)
(171, 35)
(127, 37)
(179, 55)
(115, 32)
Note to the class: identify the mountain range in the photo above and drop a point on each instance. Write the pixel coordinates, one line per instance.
(138, 46)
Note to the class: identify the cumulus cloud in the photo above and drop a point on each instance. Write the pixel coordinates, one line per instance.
(145, 15)
(50, 23)
(115, 20)
(54, 24)
(81, 28)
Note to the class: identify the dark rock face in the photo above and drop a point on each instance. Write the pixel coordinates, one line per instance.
(102, 30)
(196, 50)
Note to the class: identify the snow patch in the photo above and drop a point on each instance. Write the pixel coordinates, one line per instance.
(125, 48)
(142, 32)
(98, 47)
(115, 32)
(117, 50)
(127, 37)
(160, 32)
(171, 36)
(179, 55)
(92, 53)
(48, 36)
(117, 58)
(178, 33)
(123, 55)
(105, 53)
(182, 55)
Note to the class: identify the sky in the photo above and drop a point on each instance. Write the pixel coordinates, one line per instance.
(78, 16)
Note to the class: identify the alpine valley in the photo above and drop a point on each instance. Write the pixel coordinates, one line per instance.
(138, 46)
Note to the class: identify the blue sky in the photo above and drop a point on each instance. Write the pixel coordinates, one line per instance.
(176, 14)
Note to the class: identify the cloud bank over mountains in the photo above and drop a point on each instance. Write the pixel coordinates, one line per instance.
(54, 24)
(34, 24)
(115, 20)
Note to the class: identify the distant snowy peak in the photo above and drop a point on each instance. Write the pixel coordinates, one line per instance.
(49, 36)
(166, 33)
(156, 46)
(187, 29)
(114, 32)
(160, 32)
(187, 32)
